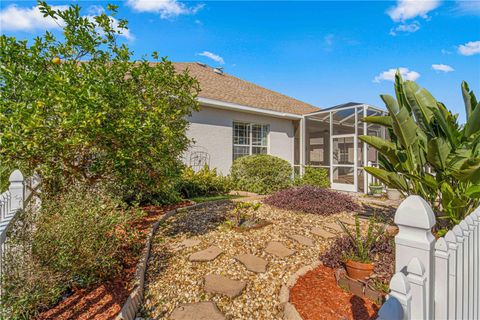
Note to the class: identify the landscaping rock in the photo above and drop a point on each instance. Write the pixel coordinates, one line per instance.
(349, 221)
(206, 310)
(215, 283)
(322, 233)
(209, 254)
(290, 313)
(334, 226)
(278, 249)
(253, 263)
(302, 240)
(187, 243)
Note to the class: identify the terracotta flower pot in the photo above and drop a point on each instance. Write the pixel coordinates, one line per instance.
(358, 270)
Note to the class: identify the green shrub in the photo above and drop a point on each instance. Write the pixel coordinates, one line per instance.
(205, 182)
(317, 177)
(82, 234)
(77, 238)
(27, 285)
(261, 173)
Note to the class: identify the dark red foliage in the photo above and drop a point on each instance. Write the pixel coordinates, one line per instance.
(312, 200)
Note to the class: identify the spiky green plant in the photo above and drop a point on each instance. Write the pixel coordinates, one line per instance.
(427, 152)
(362, 245)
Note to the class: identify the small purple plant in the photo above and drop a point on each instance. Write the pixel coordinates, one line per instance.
(314, 200)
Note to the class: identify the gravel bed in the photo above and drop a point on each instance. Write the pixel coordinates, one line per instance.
(173, 280)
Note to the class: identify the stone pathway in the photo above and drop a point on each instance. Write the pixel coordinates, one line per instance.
(209, 254)
(278, 249)
(253, 263)
(215, 283)
(206, 310)
(219, 272)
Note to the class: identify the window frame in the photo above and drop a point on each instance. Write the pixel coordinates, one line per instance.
(250, 144)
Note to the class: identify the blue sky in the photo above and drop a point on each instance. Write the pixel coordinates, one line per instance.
(322, 52)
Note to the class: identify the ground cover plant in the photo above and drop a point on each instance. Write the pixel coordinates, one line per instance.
(261, 173)
(428, 153)
(314, 200)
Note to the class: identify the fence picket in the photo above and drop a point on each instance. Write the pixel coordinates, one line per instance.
(452, 274)
(417, 280)
(441, 279)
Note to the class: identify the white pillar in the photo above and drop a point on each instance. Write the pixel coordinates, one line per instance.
(303, 137)
(415, 220)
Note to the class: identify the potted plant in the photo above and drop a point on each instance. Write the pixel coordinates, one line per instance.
(394, 194)
(376, 189)
(359, 260)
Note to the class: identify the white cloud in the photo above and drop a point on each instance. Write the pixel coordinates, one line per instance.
(166, 8)
(15, 18)
(405, 27)
(471, 7)
(389, 75)
(409, 9)
(213, 56)
(442, 67)
(469, 48)
(445, 51)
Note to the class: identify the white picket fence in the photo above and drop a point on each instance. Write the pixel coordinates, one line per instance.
(12, 201)
(435, 278)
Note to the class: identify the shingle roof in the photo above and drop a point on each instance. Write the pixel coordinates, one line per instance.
(227, 88)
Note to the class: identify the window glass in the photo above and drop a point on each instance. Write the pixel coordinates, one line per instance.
(249, 138)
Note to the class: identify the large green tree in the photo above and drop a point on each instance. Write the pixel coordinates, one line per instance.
(428, 153)
(79, 108)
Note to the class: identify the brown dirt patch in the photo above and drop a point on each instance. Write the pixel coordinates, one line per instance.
(317, 296)
(104, 301)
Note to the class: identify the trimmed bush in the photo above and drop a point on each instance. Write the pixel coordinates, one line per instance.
(261, 173)
(317, 177)
(205, 182)
(314, 200)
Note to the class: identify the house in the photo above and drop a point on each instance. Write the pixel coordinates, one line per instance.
(239, 118)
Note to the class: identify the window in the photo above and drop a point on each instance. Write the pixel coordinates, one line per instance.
(249, 138)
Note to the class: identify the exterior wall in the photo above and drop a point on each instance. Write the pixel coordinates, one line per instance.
(211, 130)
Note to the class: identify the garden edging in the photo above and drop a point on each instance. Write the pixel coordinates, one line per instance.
(289, 311)
(134, 300)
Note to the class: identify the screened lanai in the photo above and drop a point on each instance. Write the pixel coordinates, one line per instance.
(330, 140)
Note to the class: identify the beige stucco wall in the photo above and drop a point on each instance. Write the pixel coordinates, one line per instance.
(211, 129)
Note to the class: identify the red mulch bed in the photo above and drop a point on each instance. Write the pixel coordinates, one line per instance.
(105, 300)
(316, 295)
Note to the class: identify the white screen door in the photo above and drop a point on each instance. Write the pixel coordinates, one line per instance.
(343, 169)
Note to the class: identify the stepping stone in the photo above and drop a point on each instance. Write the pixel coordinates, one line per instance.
(205, 310)
(348, 221)
(215, 283)
(334, 226)
(252, 262)
(187, 243)
(278, 249)
(302, 240)
(209, 254)
(322, 233)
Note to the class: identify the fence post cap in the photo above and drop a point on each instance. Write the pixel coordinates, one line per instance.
(464, 226)
(469, 220)
(457, 231)
(416, 267)
(16, 176)
(450, 237)
(399, 283)
(414, 211)
(441, 245)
